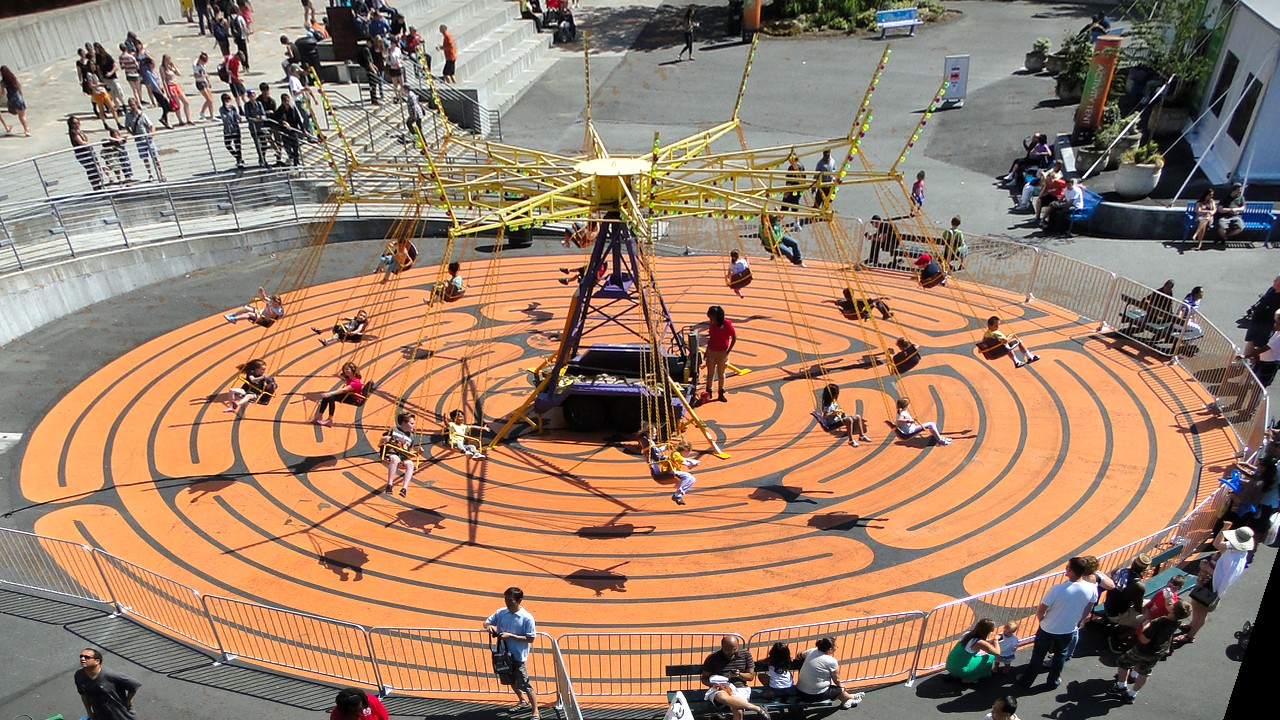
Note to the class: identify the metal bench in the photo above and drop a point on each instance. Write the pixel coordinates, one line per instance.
(702, 708)
(901, 18)
(1257, 216)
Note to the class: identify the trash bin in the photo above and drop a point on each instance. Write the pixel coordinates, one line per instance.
(733, 23)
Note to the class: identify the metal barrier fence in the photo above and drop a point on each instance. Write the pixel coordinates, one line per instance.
(157, 600)
(293, 640)
(56, 566)
(458, 663)
(874, 649)
(636, 664)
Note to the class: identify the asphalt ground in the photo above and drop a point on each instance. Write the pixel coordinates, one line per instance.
(800, 88)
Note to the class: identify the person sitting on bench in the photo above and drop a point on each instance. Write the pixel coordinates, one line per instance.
(449, 289)
(352, 392)
(908, 427)
(347, 329)
(272, 310)
(833, 417)
(728, 673)
(994, 338)
(820, 676)
(930, 271)
(861, 308)
(1039, 155)
(256, 383)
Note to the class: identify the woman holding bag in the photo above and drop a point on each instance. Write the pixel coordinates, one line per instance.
(1218, 573)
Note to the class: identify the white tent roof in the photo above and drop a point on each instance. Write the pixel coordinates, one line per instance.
(1268, 10)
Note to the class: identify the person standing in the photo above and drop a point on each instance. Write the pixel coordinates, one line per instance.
(1261, 317)
(177, 96)
(291, 128)
(84, 152)
(450, 50)
(256, 116)
(202, 14)
(106, 695)
(238, 29)
(108, 73)
(515, 627)
(689, 24)
(1266, 357)
(1153, 641)
(826, 169)
(132, 73)
(917, 194)
(143, 132)
(16, 104)
(230, 115)
(1064, 608)
(200, 73)
(721, 338)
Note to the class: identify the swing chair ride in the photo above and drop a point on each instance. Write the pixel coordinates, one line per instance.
(617, 205)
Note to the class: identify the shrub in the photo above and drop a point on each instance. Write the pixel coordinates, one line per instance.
(1148, 154)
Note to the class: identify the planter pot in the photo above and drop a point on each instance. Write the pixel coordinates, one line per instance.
(1168, 121)
(1136, 181)
(1087, 156)
(1125, 144)
(1054, 62)
(1034, 62)
(1070, 90)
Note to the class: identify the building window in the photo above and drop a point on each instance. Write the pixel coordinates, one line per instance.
(1244, 111)
(1223, 85)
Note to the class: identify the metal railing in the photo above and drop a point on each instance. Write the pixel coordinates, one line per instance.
(449, 662)
(455, 663)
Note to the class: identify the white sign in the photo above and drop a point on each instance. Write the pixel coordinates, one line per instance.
(956, 71)
(679, 709)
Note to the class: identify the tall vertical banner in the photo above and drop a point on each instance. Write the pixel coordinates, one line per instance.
(750, 18)
(1106, 53)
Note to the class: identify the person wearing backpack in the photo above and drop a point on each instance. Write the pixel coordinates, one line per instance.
(240, 34)
(221, 30)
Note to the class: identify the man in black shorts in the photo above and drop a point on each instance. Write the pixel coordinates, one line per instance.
(1153, 643)
(1229, 218)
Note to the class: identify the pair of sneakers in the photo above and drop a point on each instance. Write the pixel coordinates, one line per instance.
(1019, 363)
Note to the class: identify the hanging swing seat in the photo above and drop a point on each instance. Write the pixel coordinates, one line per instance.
(264, 390)
(933, 281)
(739, 279)
(991, 349)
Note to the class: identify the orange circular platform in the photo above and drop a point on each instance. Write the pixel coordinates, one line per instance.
(1080, 452)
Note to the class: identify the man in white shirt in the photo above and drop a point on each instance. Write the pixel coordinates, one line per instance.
(1064, 608)
(1072, 200)
(515, 627)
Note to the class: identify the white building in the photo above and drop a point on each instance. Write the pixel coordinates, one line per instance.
(1237, 134)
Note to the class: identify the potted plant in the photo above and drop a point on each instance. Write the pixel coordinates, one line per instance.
(1139, 171)
(1172, 44)
(1035, 60)
(1074, 68)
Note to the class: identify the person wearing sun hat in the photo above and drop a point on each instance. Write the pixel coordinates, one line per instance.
(930, 271)
(1218, 573)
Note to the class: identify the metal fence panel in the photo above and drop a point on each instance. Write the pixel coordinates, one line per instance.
(293, 640)
(947, 622)
(61, 567)
(635, 664)
(564, 686)
(157, 600)
(881, 647)
(451, 661)
(1072, 284)
(999, 263)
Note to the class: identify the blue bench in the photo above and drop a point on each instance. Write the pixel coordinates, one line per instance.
(1256, 216)
(901, 18)
(1091, 202)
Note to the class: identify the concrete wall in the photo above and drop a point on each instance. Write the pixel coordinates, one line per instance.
(42, 295)
(37, 39)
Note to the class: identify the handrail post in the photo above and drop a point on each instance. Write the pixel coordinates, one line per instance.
(293, 199)
(213, 163)
(1109, 302)
(40, 176)
(1035, 272)
(173, 206)
(12, 245)
(231, 198)
(115, 211)
(58, 216)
